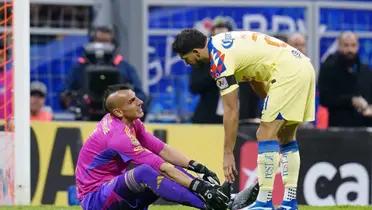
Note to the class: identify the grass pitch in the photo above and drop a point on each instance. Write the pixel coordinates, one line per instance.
(181, 208)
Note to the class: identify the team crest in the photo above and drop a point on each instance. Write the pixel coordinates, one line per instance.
(228, 41)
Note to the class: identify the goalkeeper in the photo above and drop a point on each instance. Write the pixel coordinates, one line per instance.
(102, 176)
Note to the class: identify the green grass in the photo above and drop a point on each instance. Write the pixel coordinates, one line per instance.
(181, 208)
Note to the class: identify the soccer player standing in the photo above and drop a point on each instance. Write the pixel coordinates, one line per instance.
(103, 180)
(277, 72)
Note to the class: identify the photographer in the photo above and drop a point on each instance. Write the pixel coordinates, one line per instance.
(94, 71)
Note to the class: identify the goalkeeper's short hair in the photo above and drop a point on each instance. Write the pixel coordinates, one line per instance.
(112, 89)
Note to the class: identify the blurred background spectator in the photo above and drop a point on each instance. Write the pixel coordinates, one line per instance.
(38, 110)
(298, 41)
(98, 67)
(345, 85)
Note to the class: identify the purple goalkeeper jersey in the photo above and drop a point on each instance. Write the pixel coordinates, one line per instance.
(109, 149)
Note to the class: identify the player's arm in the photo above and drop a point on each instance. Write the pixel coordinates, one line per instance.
(230, 123)
(176, 175)
(148, 140)
(175, 157)
(230, 119)
(259, 88)
(228, 86)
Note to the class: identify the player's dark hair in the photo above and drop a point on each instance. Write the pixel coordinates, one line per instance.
(188, 40)
(112, 89)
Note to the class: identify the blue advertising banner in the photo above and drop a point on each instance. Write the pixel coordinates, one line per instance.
(169, 76)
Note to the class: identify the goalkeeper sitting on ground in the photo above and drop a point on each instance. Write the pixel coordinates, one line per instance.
(102, 178)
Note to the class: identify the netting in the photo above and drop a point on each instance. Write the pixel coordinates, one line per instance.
(6, 74)
(6, 104)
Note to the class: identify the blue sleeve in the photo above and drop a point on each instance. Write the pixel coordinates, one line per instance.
(131, 76)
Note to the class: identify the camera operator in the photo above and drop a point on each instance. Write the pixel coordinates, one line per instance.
(98, 67)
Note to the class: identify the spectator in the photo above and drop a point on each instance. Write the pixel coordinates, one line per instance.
(345, 85)
(38, 109)
(102, 41)
(208, 109)
(222, 25)
(298, 41)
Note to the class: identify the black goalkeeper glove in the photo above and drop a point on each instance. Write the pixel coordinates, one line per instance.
(208, 175)
(212, 194)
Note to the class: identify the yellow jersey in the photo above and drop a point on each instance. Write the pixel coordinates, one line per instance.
(241, 56)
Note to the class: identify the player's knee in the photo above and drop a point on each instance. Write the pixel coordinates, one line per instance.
(264, 133)
(284, 138)
(269, 130)
(145, 171)
(287, 133)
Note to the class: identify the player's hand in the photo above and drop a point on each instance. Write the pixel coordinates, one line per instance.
(211, 178)
(215, 198)
(208, 175)
(213, 195)
(229, 167)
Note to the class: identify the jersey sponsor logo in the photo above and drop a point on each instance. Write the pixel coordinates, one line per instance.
(222, 83)
(228, 41)
(216, 63)
(137, 147)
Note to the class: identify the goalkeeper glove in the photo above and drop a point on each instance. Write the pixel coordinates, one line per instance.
(212, 194)
(208, 175)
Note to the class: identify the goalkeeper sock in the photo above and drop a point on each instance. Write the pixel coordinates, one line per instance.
(267, 165)
(290, 167)
(145, 176)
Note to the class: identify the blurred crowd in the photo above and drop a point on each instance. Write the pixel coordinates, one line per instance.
(344, 83)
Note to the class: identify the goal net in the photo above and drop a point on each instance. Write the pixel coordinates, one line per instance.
(14, 102)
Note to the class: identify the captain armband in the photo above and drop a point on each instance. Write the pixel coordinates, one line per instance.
(225, 82)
